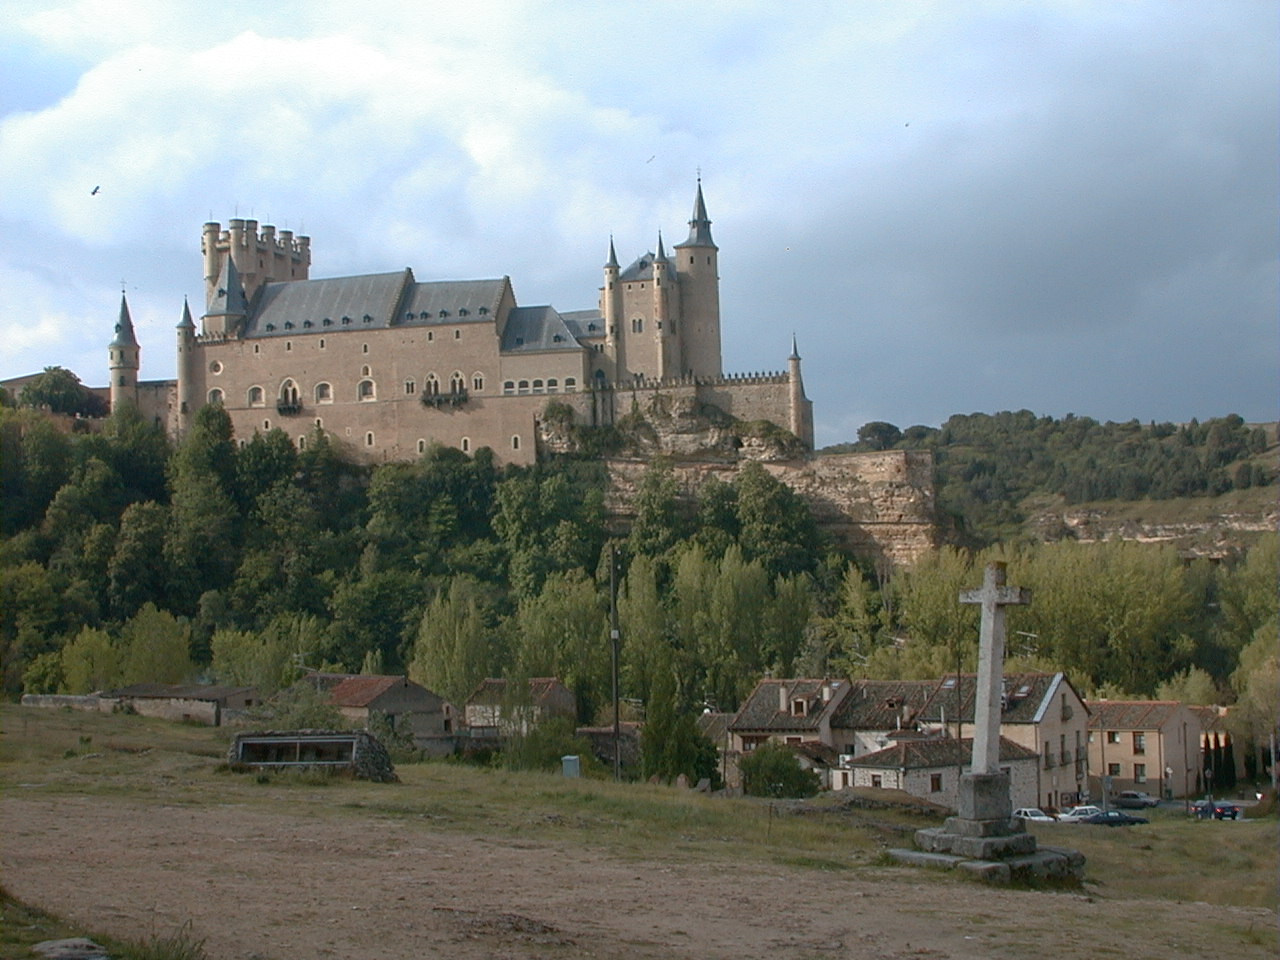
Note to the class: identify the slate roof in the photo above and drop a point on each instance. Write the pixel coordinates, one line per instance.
(124, 327)
(1131, 714)
(642, 268)
(1027, 693)
(939, 752)
(176, 691)
(537, 330)
(714, 725)
(294, 307)
(879, 704)
(584, 324)
(761, 710)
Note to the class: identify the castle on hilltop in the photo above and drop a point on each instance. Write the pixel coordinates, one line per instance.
(388, 364)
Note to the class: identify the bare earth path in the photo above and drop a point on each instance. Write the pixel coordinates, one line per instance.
(255, 883)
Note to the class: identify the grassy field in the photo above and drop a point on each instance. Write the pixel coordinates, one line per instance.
(57, 752)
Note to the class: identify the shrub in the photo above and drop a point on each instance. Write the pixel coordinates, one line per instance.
(771, 770)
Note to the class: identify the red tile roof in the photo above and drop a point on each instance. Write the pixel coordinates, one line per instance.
(914, 754)
(362, 690)
(1130, 714)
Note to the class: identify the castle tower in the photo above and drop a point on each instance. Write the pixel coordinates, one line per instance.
(227, 305)
(186, 367)
(800, 407)
(697, 263)
(259, 257)
(124, 357)
(665, 345)
(611, 310)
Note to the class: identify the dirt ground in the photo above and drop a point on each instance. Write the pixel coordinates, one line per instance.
(259, 884)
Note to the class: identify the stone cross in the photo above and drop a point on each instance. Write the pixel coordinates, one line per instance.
(994, 597)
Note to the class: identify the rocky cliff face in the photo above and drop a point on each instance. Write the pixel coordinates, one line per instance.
(1211, 530)
(876, 505)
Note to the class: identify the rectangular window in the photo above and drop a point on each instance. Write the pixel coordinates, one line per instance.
(1139, 773)
(935, 783)
(1113, 736)
(1113, 769)
(877, 780)
(1139, 743)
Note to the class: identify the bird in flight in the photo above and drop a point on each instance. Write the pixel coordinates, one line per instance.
(94, 191)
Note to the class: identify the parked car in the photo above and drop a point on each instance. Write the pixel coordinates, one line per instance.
(1216, 809)
(1114, 818)
(1034, 813)
(1135, 800)
(1076, 814)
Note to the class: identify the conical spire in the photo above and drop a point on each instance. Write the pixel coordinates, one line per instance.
(795, 353)
(700, 225)
(662, 253)
(228, 298)
(613, 256)
(186, 323)
(124, 326)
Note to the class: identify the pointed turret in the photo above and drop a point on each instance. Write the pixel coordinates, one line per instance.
(186, 368)
(613, 256)
(124, 359)
(800, 414)
(700, 224)
(124, 327)
(227, 304)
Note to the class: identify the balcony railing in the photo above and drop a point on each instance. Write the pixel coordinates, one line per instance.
(444, 399)
(288, 408)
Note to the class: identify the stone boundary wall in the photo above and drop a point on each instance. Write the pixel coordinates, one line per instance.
(53, 701)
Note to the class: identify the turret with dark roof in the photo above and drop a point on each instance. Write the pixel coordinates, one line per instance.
(699, 225)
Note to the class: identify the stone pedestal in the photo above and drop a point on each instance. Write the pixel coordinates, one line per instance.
(985, 841)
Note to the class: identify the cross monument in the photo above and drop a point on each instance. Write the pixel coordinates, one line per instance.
(994, 596)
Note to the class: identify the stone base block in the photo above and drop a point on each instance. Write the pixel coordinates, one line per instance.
(940, 840)
(918, 858)
(985, 796)
(1050, 865)
(990, 871)
(984, 828)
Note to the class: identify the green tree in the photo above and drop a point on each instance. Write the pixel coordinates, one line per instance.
(658, 525)
(562, 632)
(381, 612)
(137, 572)
(771, 770)
(91, 662)
(775, 526)
(456, 645)
(155, 647)
(62, 392)
(1192, 686)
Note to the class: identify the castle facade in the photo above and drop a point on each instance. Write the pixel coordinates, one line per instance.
(387, 364)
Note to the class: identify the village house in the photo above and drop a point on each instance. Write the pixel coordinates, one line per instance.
(789, 711)
(930, 768)
(1150, 745)
(875, 712)
(407, 706)
(494, 710)
(1041, 711)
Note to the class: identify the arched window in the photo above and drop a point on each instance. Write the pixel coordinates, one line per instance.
(365, 371)
(537, 386)
(509, 386)
(637, 325)
(215, 395)
(410, 387)
(289, 393)
(515, 443)
(368, 439)
(364, 348)
(457, 384)
(477, 382)
(570, 384)
(432, 386)
(366, 390)
(466, 444)
(302, 443)
(257, 397)
(523, 386)
(266, 424)
(422, 446)
(553, 385)
(324, 393)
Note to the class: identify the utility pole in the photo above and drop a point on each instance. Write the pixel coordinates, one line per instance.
(613, 642)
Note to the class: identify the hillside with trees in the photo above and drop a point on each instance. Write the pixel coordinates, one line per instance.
(989, 465)
(125, 559)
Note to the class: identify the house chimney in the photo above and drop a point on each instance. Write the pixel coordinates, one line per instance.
(782, 698)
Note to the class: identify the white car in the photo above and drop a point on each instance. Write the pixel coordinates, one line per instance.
(1033, 813)
(1076, 814)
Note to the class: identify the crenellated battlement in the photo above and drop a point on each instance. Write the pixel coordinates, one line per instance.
(728, 379)
(260, 255)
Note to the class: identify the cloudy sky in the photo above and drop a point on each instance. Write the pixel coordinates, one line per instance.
(1058, 205)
